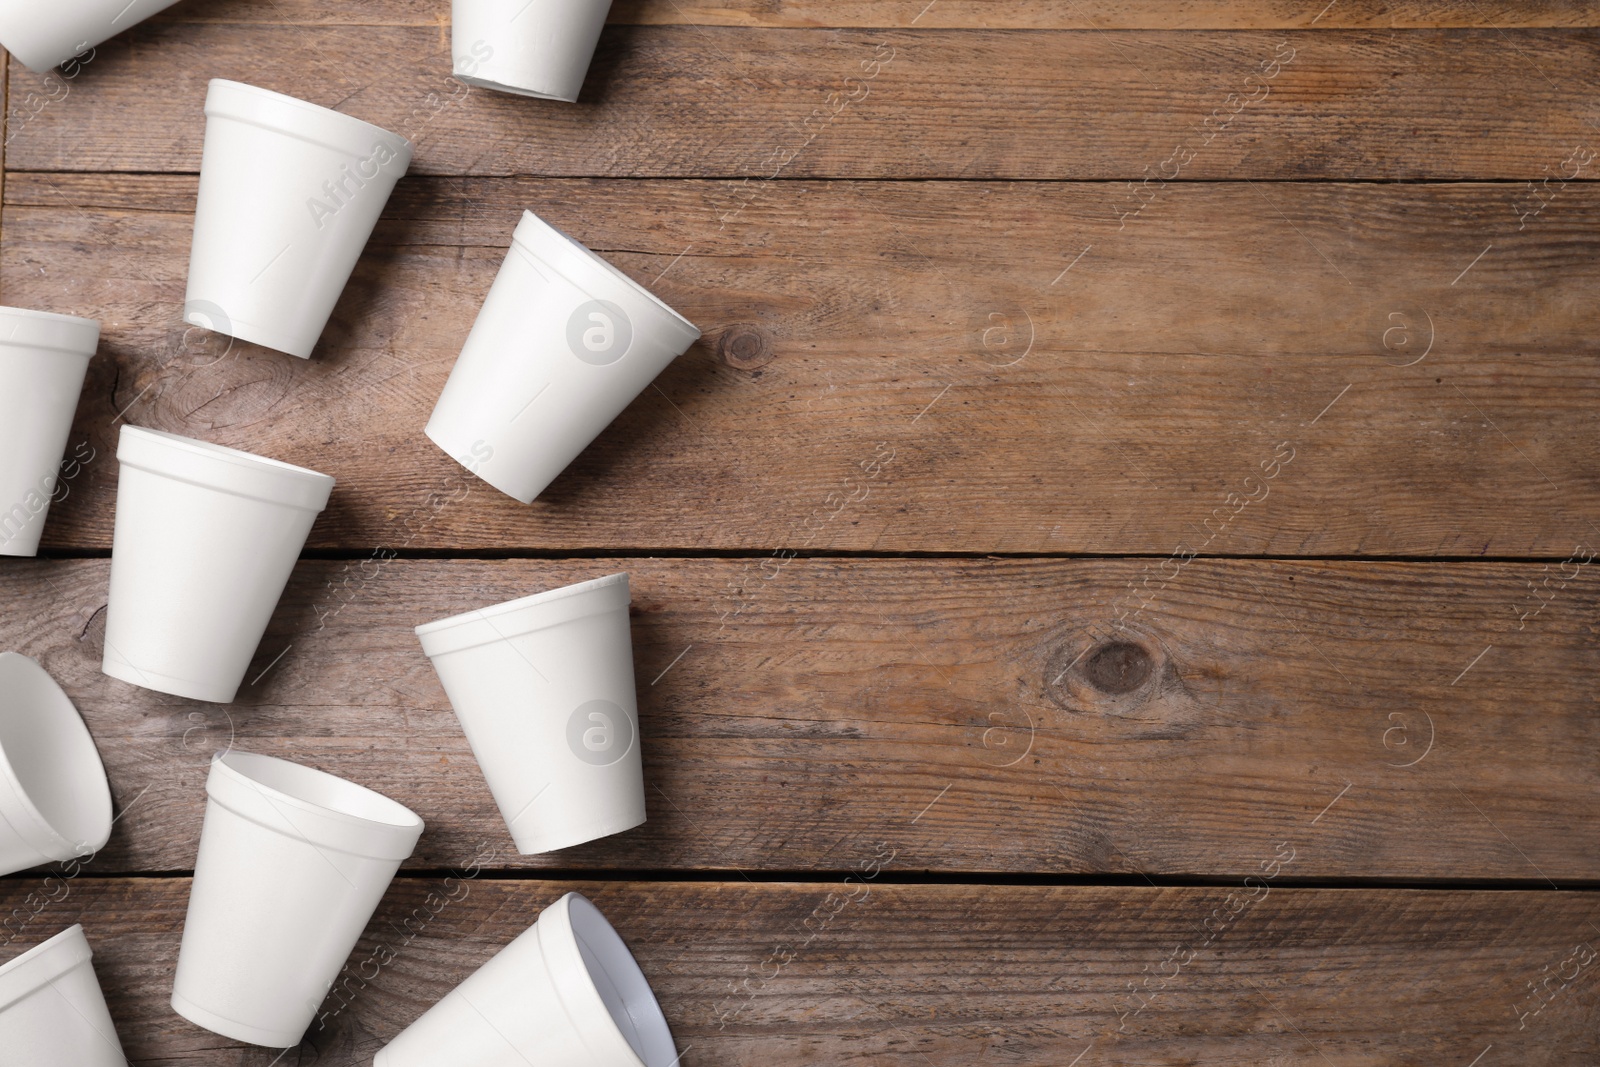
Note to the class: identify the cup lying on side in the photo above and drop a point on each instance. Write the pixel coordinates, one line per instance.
(52, 1011)
(43, 358)
(563, 343)
(530, 47)
(46, 33)
(543, 687)
(204, 542)
(292, 864)
(565, 993)
(55, 803)
(289, 195)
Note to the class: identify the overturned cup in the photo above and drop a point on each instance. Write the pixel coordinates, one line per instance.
(565, 993)
(43, 358)
(289, 195)
(46, 33)
(204, 543)
(543, 687)
(55, 803)
(529, 47)
(292, 863)
(564, 342)
(52, 1011)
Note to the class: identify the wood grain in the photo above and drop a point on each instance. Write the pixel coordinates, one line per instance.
(735, 102)
(954, 14)
(1036, 322)
(874, 973)
(1047, 377)
(970, 707)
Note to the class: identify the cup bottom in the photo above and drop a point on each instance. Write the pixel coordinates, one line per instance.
(533, 844)
(188, 688)
(289, 342)
(221, 1024)
(488, 473)
(519, 90)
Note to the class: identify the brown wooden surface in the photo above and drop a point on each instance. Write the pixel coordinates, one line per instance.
(735, 102)
(1112, 411)
(947, 356)
(958, 14)
(1033, 976)
(786, 705)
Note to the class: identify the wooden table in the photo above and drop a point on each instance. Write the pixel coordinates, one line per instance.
(1132, 509)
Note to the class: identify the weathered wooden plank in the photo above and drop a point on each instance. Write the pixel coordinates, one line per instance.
(971, 706)
(876, 973)
(25, 95)
(699, 101)
(1113, 14)
(958, 14)
(1046, 375)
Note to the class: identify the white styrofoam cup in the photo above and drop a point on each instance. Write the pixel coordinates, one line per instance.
(565, 993)
(46, 33)
(292, 863)
(563, 343)
(530, 47)
(205, 539)
(289, 195)
(55, 803)
(43, 358)
(543, 687)
(52, 1012)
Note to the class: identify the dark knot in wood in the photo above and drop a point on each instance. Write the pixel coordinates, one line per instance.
(1117, 667)
(745, 347)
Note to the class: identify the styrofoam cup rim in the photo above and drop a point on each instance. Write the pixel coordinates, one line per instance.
(589, 266)
(42, 964)
(227, 99)
(231, 768)
(70, 335)
(307, 485)
(495, 611)
(591, 930)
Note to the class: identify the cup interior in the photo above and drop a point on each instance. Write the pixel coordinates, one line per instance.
(318, 789)
(621, 985)
(52, 756)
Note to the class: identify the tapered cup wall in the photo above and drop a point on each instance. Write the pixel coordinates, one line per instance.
(292, 863)
(289, 194)
(204, 543)
(43, 34)
(55, 803)
(563, 343)
(530, 47)
(43, 358)
(543, 687)
(565, 993)
(52, 1012)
